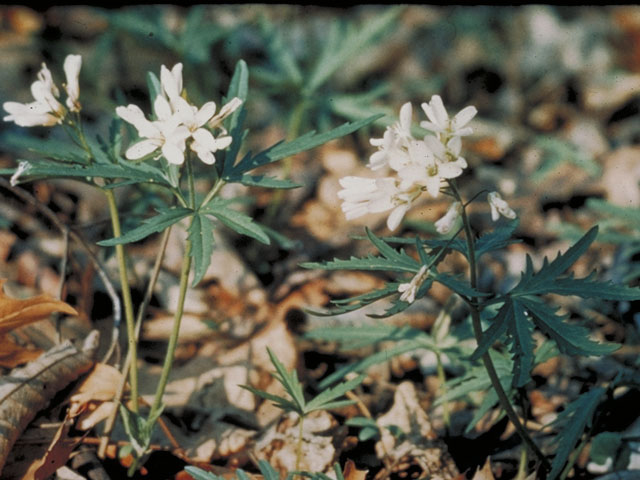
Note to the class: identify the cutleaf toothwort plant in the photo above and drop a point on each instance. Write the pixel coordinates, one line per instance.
(171, 138)
(432, 165)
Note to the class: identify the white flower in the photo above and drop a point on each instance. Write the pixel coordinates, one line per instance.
(440, 122)
(374, 195)
(409, 290)
(499, 207)
(45, 111)
(226, 110)
(72, 65)
(204, 144)
(167, 133)
(171, 81)
(425, 168)
(446, 223)
(394, 141)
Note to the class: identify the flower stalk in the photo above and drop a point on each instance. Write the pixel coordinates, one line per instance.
(475, 308)
(126, 297)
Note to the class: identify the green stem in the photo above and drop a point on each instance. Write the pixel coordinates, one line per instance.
(173, 339)
(213, 192)
(126, 298)
(522, 466)
(505, 403)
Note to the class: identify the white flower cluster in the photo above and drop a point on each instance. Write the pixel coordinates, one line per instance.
(177, 122)
(46, 110)
(419, 164)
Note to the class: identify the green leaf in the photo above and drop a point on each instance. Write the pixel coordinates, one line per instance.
(200, 474)
(605, 445)
(140, 173)
(497, 239)
(422, 342)
(343, 44)
(280, 402)
(165, 218)
(201, 237)
(391, 261)
(520, 337)
(498, 327)
(571, 339)
(369, 263)
(458, 285)
(280, 54)
(239, 87)
(241, 223)
(154, 86)
(305, 142)
(62, 151)
(351, 337)
(357, 302)
(369, 427)
(263, 181)
(268, 472)
(326, 399)
(542, 281)
(571, 423)
(589, 288)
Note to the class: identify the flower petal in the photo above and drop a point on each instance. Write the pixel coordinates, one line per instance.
(142, 149)
(173, 153)
(396, 216)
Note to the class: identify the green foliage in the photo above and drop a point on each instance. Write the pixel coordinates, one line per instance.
(325, 400)
(138, 429)
(406, 339)
(267, 471)
(148, 24)
(201, 238)
(241, 223)
(369, 427)
(571, 424)
(165, 218)
(395, 261)
(303, 79)
(557, 152)
(522, 309)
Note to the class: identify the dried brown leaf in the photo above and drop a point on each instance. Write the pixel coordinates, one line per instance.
(485, 472)
(57, 455)
(27, 390)
(352, 473)
(12, 355)
(16, 312)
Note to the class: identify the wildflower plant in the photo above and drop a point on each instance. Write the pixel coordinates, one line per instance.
(171, 138)
(296, 402)
(503, 324)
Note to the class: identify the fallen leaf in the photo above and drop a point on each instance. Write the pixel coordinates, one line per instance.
(419, 442)
(12, 355)
(57, 455)
(16, 312)
(352, 473)
(44, 377)
(485, 472)
(91, 401)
